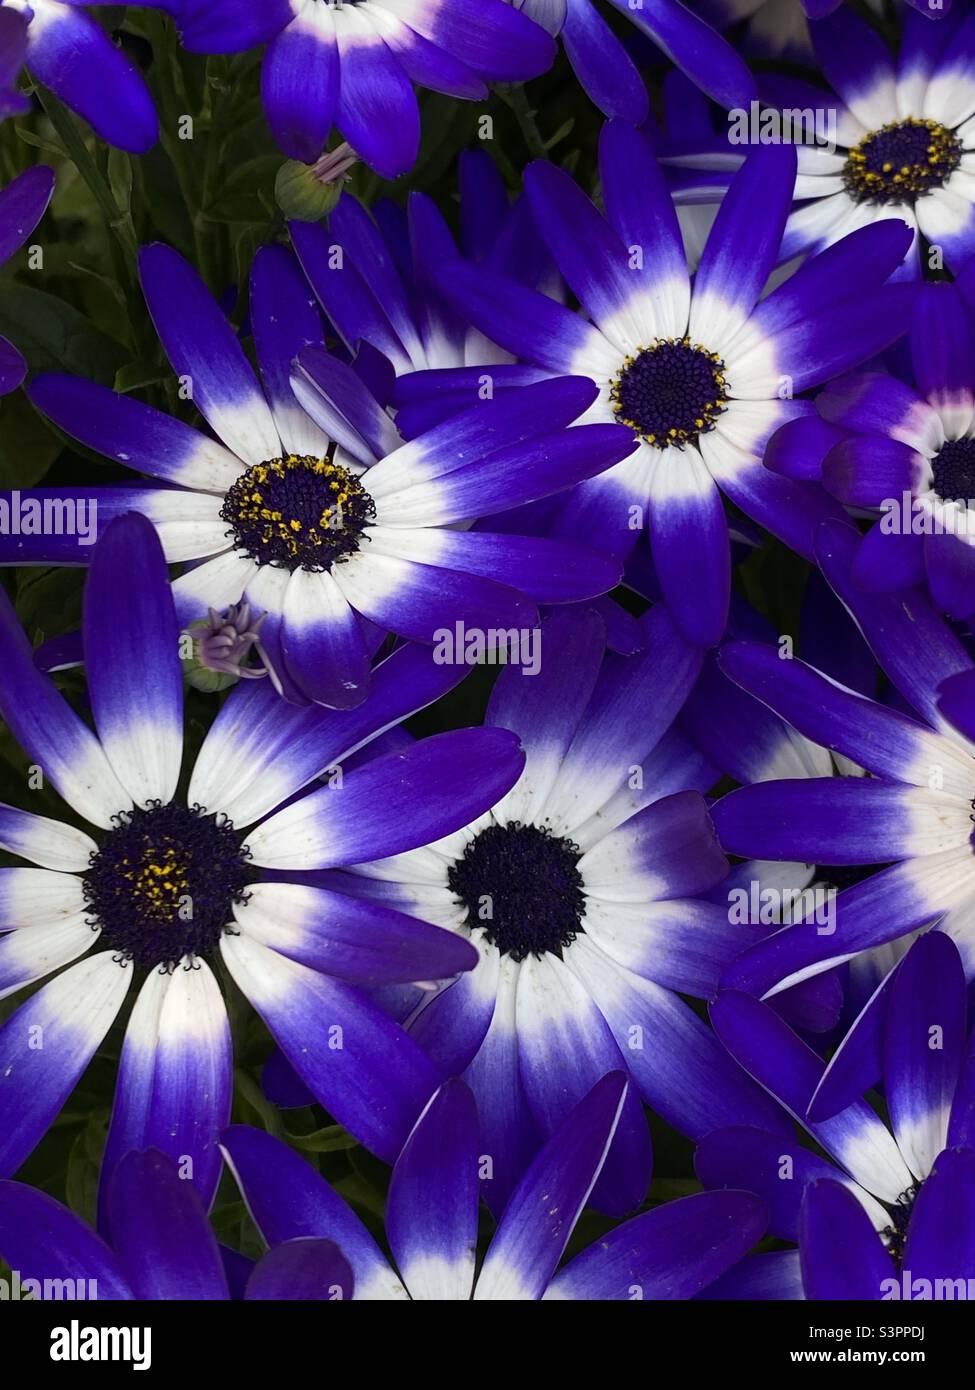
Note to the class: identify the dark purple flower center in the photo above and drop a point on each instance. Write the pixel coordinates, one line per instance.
(163, 883)
(522, 886)
(298, 512)
(670, 392)
(895, 1235)
(901, 162)
(954, 471)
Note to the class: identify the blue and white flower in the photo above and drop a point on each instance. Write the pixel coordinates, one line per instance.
(336, 542)
(581, 890)
(901, 136)
(354, 65)
(888, 1209)
(911, 819)
(160, 1246)
(906, 452)
(702, 373)
(671, 1252)
(173, 873)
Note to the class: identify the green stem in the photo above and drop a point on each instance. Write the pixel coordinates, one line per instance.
(516, 99)
(119, 222)
(123, 242)
(193, 174)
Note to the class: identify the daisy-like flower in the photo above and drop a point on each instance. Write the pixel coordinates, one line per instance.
(908, 453)
(749, 741)
(905, 134)
(608, 73)
(160, 1245)
(169, 877)
(22, 205)
(888, 1209)
(701, 374)
(69, 51)
(913, 814)
(354, 65)
(580, 891)
(432, 1214)
(327, 540)
(373, 273)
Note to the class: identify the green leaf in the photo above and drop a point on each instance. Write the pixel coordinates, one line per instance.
(329, 1139)
(134, 375)
(84, 1162)
(27, 446)
(52, 148)
(49, 600)
(669, 1189)
(244, 195)
(53, 336)
(120, 178)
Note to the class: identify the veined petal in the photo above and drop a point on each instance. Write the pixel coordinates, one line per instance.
(51, 733)
(175, 1078)
(73, 1013)
(50, 843)
(203, 348)
(161, 1232)
(136, 435)
(299, 83)
(926, 1006)
(543, 1210)
(672, 1252)
(43, 1240)
(393, 803)
(70, 52)
(138, 706)
(351, 938)
(366, 1072)
(289, 1200)
(431, 1214)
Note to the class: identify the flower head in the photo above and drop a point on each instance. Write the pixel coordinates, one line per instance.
(906, 451)
(583, 891)
(173, 874)
(354, 65)
(886, 1202)
(432, 1214)
(702, 372)
(331, 528)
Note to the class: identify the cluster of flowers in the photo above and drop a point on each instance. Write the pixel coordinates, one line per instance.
(487, 952)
